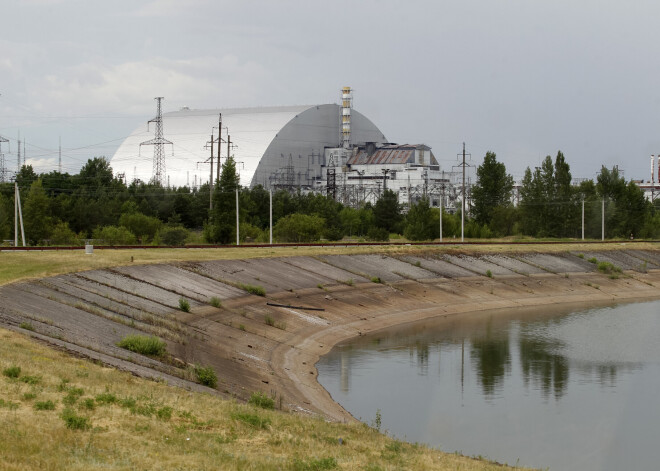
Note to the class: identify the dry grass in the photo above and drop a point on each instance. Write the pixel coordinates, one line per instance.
(140, 424)
(17, 266)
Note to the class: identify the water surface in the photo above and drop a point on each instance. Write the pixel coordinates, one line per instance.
(565, 390)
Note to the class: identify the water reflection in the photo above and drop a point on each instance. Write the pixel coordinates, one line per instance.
(540, 365)
(548, 389)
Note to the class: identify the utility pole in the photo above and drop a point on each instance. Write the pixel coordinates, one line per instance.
(237, 224)
(3, 167)
(159, 145)
(603, 220)
(270, 191)
(463, 165)
(18, 216)
(211, 185)
(59, 160)
(219, 141)
(582, 218)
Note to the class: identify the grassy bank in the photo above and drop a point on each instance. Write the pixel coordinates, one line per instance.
(17, 266)
(59, 412)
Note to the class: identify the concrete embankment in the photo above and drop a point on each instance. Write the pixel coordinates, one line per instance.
(256, 346)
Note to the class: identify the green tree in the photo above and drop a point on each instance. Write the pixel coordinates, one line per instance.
(626, 208)
(387, 212)
(36, 214)
(114, 235)
(5, 219)
(420, 224)
(299, 228)
(142, 226)
(63, 235)
(492, 190)
(222, 225)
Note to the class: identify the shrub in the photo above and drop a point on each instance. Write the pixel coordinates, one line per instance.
(298, 228)
(593, 260)
(378, 234)
(489, 273)
(113, 235)
(261, 400)
(253, 289)
(608, 268)
(63, 235)
(140, 225)
(184, 305)
(106, 398)
(31, 379)
(26, 326)
(206, 376)
(173, 235)
(268, 319)
(164, 413)
(375, 279)
(74, 421)
(146, 345)
(44, 405)
(215, 302)
(12, 372)
(88, 404)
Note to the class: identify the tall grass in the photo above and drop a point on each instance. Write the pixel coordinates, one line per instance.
(146, 345)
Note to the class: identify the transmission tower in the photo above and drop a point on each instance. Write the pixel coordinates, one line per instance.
(3, 167)
(158, 142)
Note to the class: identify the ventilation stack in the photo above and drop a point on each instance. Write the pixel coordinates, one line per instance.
(346, 105)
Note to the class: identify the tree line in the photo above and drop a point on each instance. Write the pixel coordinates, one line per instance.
(63, 209)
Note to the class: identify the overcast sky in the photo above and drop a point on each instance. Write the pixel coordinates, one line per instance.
(522, 78)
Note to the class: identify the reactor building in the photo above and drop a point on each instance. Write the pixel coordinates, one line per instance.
(329, 148)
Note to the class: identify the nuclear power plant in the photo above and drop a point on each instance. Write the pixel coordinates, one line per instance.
(327, 148)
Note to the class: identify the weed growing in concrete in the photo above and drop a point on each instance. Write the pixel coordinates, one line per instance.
(26, 326)
(349, 282)
(608, 268)
(146, 345)
(74, 421)
(259, 399)
(241, 327)
(593, 260)
(184, 305)
(280, 325)
(418, 264)
(12, 372)
(489, 273)
(376, 279)
(215, 302)
(268, 319)
(253, 289)
(319, 286)
(44, 405)
(206, 376)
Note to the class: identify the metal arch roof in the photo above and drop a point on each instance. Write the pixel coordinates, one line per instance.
(251, 130)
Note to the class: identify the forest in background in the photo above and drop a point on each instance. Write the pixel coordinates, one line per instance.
(63, 209)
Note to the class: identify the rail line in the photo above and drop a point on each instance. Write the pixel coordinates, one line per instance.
(320, 244)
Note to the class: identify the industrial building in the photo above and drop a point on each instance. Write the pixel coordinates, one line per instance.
(326, 148)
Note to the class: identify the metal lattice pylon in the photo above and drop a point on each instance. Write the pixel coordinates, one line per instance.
(159, 172)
